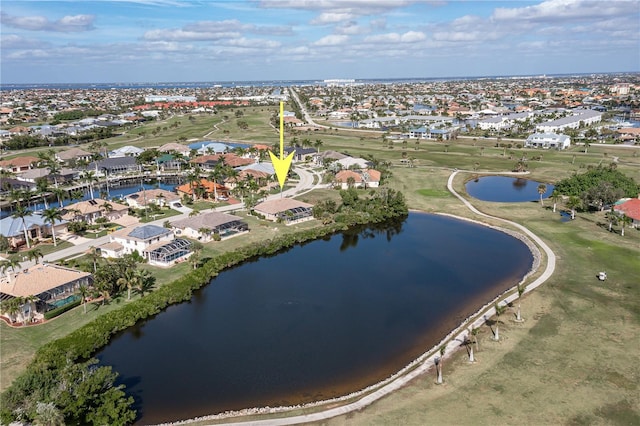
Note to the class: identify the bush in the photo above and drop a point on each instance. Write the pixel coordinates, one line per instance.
(62, 309)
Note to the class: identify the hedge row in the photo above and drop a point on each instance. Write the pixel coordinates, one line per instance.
(62, 309)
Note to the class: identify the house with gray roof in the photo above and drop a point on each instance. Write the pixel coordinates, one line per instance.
(204, 226)
(156, 244)
(114, 166)
(36, 228)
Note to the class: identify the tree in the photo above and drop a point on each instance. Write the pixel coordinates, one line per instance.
(47, 414)
(51, 215)
(542, 188)
(42, 185)
(144, 281)
(624, 221)
(127, 280)
(499, 311)
(83, 291)
(573, 203)
(35, 255)
(474, 333)
(10, 263)
(468, 342)
(21, 212)
(555, 197)
(439, 361)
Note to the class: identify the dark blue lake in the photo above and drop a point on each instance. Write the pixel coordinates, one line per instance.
(505, 189)
(317, 321)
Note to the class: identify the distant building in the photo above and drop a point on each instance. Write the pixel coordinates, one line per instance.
(584, 117)
(547, 141)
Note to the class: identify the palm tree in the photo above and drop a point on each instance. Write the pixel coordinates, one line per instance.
(12, 308)
(144, 282)
(555, 197)
(318, 143)
(94, 256)
(30, 300)
(624, 221)
(439, 361)
(499, 311)
(51, 215)
(612, 217)
(90, 177)
(521, 288)
(42, 185)
(21, 212)
(474, 333)
(573, 203)
(49, 161)
(542, 188)
(11, 263)
(468, 342)
(83, 291)
(61, 194)
(128, 280)
(35, 255)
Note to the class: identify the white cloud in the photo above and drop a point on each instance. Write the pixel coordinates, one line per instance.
(332, 40)
(408, 37)
(254, 43)
(182, 35)
(564, 10)
(332, 18)
(66, 24)
(12, 41)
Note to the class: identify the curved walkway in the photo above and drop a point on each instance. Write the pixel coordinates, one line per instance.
(426, 361)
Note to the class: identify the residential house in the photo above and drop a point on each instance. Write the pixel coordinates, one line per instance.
(114, 166)
(157, 196)
(64, 175)
(175, 147)
(286, 210)
(203, 188)
(209, 162)
(630, 207)
(169, 162)
(156, 244)
(366, 178)
(53, 286)
(90, 210)
(19, 164)
(213, 223)
(300, 154)
(126, 151)
(548, 140)
(36, 225)
(71, 156)
(352, 162)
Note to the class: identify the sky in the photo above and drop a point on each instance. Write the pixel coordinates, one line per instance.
(247, 40)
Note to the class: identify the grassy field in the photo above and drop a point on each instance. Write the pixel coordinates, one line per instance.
(573, 361)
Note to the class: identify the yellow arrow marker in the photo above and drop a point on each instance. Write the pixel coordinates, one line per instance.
(282, 164)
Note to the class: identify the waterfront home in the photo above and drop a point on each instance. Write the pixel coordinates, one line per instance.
(300, 154)
(63, 176)
(170, 162)
(209, 162)
(90, 210)
(203, 188)
(156, 244)
(114, 166)
(204, 226)
(36, 226)
(547, 140)
(286, 210)
(365, 178)
(8, 184)
(44, 286)
(157, 196)
(73, 155)
(175, 147)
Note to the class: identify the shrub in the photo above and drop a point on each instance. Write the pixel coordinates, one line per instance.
(62, 309)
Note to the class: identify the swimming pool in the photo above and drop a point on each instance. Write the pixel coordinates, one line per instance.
(65, 301)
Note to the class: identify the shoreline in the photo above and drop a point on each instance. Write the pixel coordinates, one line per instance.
(419, 366)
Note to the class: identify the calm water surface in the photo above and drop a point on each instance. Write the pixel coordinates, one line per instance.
(505, 189)
(317, 321)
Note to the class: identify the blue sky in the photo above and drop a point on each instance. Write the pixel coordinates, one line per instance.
(168, 40)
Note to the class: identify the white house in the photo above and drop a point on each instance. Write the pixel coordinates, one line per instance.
(156, 244)
(126, 151)
(548, 140)
(287, 210)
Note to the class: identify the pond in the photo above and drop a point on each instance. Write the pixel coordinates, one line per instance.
(317, 321)
(506, 189)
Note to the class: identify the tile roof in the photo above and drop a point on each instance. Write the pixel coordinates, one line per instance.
(38, 279)
(206, 220)
(280, 205)
(148, 231)
(630, 208)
